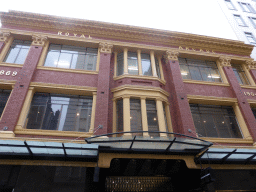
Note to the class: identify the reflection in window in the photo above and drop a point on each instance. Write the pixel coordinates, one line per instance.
(4, 95)
(157, 68)
(239, 20)
(119, 116)
(71, 57)
(60, 112)
(240, 74)
(132, 63)
(250, 37)
(146, 64)
(199, 70)
(152, 117)
(136, 123)
(18, 52)
(229, 4)
(120, 64)
(253, 21)
(215, 121)
(246, 7)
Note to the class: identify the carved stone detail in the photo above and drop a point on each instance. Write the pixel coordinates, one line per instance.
(172, 55)
(39, 40)
(225, 61)
(105, 48)
(250, 64)
(4, 36)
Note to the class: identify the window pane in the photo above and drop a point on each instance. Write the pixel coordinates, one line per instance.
(240, 74)
(4, 95)
(22, 56)
(157, 68)
(91, 61)
(52, 59)
(146, 64)
(60, 112)
(136, 123)
(12, 55)
(120, 64)
(152, 117)
(132, 63)
(64, 60)
(119, 116)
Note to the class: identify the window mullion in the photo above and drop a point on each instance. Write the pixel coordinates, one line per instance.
(144, 116)
(160, 116)
(127, 115)
(153, 63)
(139, 61)
(125, 61)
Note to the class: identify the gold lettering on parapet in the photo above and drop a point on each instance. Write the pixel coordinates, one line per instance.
(199, 50)
(249, 94)
(74, 35)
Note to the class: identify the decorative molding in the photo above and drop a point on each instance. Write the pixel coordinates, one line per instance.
(225, 61)
(250, 64)
(227, 140)
(139, 77)
(105, 48)
(4, 36)
(68, 70)
(205, 82)
(6, 134)
(39, 40)
(172, 55)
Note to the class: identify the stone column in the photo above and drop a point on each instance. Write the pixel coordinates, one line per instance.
(103, 92)
(160, 115)
(15, 103)
(144, 116)
(241, 99)
(251, 67)
(179, 106)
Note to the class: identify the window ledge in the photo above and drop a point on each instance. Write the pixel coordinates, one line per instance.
(67, 70)
(248, 86)
(227, 140)
(205, 82)
(140, 77)
(11, 64)
(21, 131)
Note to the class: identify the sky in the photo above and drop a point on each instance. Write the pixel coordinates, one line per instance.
(202, 17)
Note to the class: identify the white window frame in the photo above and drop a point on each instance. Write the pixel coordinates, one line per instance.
(240, 17)
(228, 2)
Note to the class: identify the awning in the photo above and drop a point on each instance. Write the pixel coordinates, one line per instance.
(228, 156)
(38, 150)
(175, 143)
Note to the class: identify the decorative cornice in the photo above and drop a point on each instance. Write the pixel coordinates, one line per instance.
(172, 55)
(250, 64)
(105, 48)
(225, 61)
(4, 36)
(39, 40)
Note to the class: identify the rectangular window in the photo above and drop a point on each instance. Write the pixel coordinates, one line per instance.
(4, 95)
(71, 57)
(119, 116)
(199, 70)
(146, 64)
(229, 4)
(152, 117)
(120, 64)
(215, 121)
(132, 63)
(18, 52)
(60, 112)
(253, 21)
(136, 123)
(254, 112)
(239, 20)
(246, 7)
(250, 38)
(157, 68)
(240, 74)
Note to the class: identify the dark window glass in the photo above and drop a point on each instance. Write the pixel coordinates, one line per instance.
(240, 74)
(146, 64)
(157, 68)
(199, 70)
(136, 123)
(215, 121)
(152, 117)
(132, 63)
(71, 57)
(18, 52)
(254, 112)
(60, 112)
(120, 64)
(119, 116)
(4, 95)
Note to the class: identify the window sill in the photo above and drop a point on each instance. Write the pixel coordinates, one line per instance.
(11, 64)
(20, 131)
(227, 140)
(205, 83)
(248, 86)
(140, 77)
(67, 70)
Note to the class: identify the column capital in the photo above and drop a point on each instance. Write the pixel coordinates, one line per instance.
(39, 40)
(225, 61)
(105, 48)
(250, 64)
(172, 55)
(4, 36)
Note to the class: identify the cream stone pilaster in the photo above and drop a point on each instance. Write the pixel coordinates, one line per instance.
(127, 115)
(93, 112)
(249, 64)
(39, 40)
(115, 64)
(144, 116)
(171, 55)
(139, 61)
(153, 63)
(125, 61)
(44, 53)
(168, 117)
(114, 128)
(105, 48)
(5, 36)
(160, 116)
(223, 61)
(161, 68)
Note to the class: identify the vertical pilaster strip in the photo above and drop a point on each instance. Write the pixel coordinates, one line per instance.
(101, 125)
(139, 61)
(114, 116)
(251, 69)
(153, 63)
(161, 67)
(93, 112)
(241, 99)
(179, 106)
(160, 116)
(125, 61)
(144, 116)
(127, 115)
(20, 90)
(115, 64)
(5, 37)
